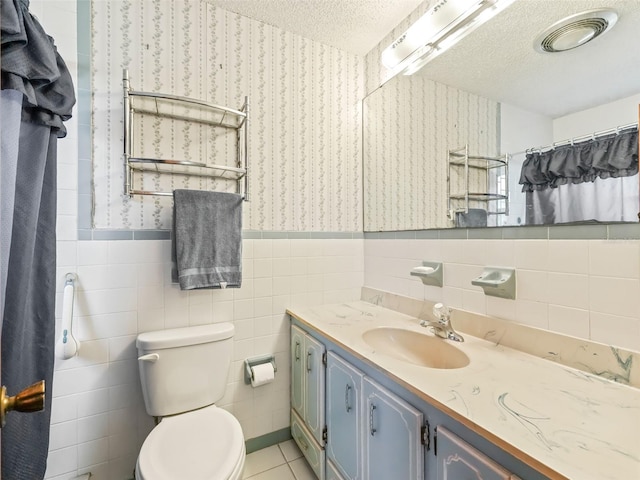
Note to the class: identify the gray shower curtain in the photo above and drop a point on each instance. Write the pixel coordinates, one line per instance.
(37, 96)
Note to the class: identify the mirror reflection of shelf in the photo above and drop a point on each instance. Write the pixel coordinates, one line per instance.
(475, 161)
(482, 197)
(466, 172)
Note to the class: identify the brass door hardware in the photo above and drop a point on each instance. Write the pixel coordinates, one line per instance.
(31, 399)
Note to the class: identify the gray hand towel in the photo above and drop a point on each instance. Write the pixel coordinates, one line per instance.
(207, 239)
(477, 217)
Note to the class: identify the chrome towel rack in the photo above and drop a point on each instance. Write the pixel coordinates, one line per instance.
(163, 106)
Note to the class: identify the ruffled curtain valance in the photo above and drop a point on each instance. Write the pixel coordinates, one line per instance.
(611, 156)
(31, 65)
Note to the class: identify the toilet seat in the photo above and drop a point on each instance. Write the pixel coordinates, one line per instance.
(205, 444)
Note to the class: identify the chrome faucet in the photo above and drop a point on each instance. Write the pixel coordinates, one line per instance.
(442, 326)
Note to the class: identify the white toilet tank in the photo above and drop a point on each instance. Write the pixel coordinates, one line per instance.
(183, 369)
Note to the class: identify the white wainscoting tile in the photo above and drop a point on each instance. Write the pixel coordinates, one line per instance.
(569, 256)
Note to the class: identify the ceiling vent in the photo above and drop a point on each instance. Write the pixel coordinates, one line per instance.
(576, 30)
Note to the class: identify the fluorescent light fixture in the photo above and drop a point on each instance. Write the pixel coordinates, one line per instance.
(437, 30)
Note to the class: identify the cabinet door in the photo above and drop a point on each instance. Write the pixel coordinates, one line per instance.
(391, 435)
(313, 396)
(297, 370)
(332, 472)
(460, 461)
(344, 417)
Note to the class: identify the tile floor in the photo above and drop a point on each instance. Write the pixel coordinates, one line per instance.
(278, 462)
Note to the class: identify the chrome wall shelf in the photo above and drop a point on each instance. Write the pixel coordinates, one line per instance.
(496, 180)
(198, 111)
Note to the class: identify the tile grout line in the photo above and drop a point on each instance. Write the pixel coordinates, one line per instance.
(288, 464)
(291, 470)
(287, 461)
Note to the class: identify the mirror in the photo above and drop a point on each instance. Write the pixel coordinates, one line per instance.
(493, 94)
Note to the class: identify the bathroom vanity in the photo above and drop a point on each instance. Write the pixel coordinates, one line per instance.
(369, 403)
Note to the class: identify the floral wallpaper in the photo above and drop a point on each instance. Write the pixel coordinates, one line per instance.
(305, 131)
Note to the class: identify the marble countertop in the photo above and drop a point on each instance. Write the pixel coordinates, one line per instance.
(563, 422)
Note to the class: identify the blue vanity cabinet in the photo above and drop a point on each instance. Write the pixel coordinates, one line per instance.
(344, 419)
(372, 433)
(307, 381)
(376, 429)
(458, 460)
(391, 436)
(307, 398)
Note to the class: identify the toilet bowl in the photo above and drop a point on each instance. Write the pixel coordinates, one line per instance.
(206, 444)
(183, 372)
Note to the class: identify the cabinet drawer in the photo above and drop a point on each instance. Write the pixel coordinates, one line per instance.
(310, 449)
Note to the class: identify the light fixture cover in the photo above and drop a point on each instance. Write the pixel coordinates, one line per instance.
(447, 20)
(428, 28)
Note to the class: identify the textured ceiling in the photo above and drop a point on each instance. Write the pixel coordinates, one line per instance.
(498, 60)
(355, 26)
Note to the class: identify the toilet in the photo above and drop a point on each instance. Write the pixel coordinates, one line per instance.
(183, 372)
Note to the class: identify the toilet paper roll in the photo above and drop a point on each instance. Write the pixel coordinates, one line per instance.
(261, 374)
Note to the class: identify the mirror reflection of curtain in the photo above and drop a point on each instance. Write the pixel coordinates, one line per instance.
(37, 96)
(595, 180)
(604, 200)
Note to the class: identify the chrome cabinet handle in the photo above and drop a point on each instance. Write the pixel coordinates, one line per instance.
(371, 429)
(297, 351)
(346, 398)
(309, 356)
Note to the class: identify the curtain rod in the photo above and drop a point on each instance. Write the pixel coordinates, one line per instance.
(581, 138)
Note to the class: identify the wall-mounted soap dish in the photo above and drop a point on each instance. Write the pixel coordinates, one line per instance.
(430, 273)
(497, 282)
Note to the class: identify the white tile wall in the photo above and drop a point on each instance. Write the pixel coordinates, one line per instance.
(584, 288)
(124, 288)
(570, 321)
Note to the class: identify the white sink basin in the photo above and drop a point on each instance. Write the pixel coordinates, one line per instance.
(416, 348)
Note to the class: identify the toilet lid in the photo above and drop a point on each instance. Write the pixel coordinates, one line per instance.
(205, 444)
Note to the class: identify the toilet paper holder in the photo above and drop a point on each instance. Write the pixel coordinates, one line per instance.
(252, 362)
